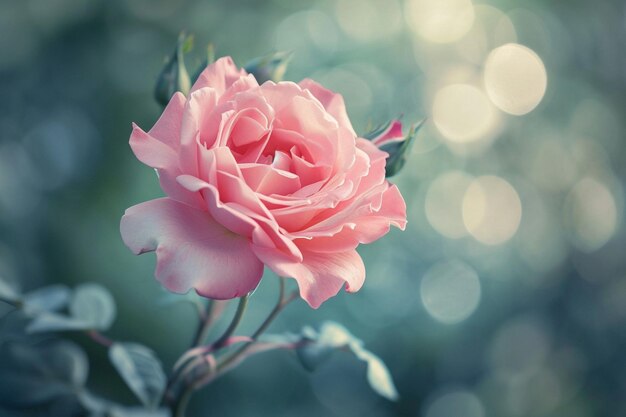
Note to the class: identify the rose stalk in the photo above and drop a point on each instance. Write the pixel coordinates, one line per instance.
(178, 401)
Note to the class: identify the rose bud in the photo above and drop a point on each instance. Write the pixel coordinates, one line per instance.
(389, 138)
(269, 67)
(174, 76)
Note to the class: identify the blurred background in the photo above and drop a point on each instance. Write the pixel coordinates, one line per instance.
(505, 296)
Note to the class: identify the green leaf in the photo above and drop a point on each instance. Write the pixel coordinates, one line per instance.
(9, 290)
(138, 412)
(332, 336)
(94, 304)
(53, 322)
(95, 405)
(141, 370)
(378, 375)
(269, 67)
(91, 308)
(399, 150)
(46, 299)
(321, 345)
(312, 355)
(34, 375)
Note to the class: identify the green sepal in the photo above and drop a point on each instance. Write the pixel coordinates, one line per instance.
(174, 76)
(377, 131)
(269, 67)
(399, 150)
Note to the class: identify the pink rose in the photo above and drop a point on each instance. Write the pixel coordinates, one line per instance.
(259, 175)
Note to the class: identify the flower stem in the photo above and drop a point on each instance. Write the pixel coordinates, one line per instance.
(208, 315)
(12, 303)
(206, 321)
(99, 338)
(179, 407)
(241, 309)
(180, 402)
(280, 305)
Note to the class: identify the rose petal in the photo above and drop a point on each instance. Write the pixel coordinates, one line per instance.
(241, 128)
(151, 151)
(158, 147)
(364, 229)
(224, 214)
(193, 251)
(267, 180)
(279, 95)
(241, 220)
(199, 126)
(219, 75)
(164, 159)
(319, 276)
(167, 128)
(332, 102)
(244, 83)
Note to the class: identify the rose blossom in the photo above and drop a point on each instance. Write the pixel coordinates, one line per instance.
(259, 175)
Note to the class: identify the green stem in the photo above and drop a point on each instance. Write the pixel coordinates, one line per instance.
(280, 305)
(207, 318)
(179, 404)
(99, 338)
(13, 303)
(179, 407)
(283, 301)
(241, 308)
(206, 321)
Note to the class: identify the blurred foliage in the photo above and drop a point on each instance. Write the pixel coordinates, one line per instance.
(518, 312)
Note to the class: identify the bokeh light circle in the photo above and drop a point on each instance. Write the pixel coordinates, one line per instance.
(444, 200)
(520, 348)
(312, 33)
(462, 113)
(592, 214)
(369, 21)
(343, 379)
(492, 210)
(515, 78)
(492, 28)
(440, 21)
(540, 242)
(459, 403)
(450, 291)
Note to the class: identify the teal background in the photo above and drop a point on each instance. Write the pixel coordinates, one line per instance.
(547, 337)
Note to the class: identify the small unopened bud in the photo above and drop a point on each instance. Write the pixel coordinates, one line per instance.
(269, 67)
(174, 76)
(388, 137)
